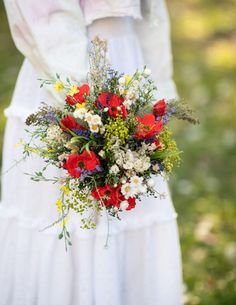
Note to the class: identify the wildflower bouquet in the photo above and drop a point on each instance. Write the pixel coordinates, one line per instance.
(109, 140)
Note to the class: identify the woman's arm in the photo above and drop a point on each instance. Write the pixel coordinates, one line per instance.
(51, 34)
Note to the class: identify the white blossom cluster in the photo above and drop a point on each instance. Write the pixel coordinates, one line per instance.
(134, 163)
(55, 136)
(130, 88)
(94, 121)
(132, 160)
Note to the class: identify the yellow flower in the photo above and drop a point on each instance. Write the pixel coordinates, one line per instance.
(79, 106)
(127, 78)
(59, 205)
(65, 190)
(58, 86)
(73, 90)
(64, 221)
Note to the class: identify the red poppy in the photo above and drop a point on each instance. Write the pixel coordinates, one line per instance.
(78, 97)
(148, 126)
(101, 191)
(85, 161)
(132, 203)
(70, 123)
(116, 197)
(159, 108)
(114, 104)
(116, 107)
(102, 100)
(112, 196)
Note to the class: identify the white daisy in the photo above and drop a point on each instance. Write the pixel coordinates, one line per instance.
(127, 190)
(151, 183)
(80, 113)
(96, 119)
(94, 127)
(122, 80)
(136, 181)
(88, 117)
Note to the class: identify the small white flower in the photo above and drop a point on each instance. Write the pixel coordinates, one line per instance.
(129, 155)
(122, 80)
(88, 117)
(135, 83)
(156, 168)
(63, 157)
(121, 90)
(151, 183)
(127, 103)
(146, 72)
(119, 161)
(96, 120)
(94, 127)
(132, 95)
(129, 173)
(127, 190)
(102, 130)
(101, 153)
(105, 109)
(152, 147)
(124, 205)
(128, 165)
(80, 113)
(123, 180)
(114, 169)
(136, 181)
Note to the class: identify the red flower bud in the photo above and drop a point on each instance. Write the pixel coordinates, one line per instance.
(159, 108)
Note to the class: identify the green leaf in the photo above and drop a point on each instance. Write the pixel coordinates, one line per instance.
(164, 154)
(60, 236)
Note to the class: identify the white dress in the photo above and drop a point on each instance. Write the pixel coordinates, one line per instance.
(142, 264)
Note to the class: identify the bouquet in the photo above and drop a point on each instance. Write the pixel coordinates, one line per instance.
(109, 139)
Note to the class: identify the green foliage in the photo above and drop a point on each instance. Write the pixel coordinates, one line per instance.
(170, 151)
(115, 129)
(203, 187)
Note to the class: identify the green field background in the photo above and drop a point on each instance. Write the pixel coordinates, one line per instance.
(204, 186)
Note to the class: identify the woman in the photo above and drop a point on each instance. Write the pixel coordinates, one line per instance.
(142, 262)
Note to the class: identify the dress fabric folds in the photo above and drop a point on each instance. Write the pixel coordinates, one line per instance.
(142, 263)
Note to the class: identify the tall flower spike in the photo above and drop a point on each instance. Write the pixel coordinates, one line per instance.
(98, 63)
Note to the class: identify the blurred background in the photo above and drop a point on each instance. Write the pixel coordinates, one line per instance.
(204, 186)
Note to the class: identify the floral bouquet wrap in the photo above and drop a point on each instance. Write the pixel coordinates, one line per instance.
(109, 140)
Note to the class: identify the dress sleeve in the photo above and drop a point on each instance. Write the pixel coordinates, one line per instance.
(154, 35)
(51, 35)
